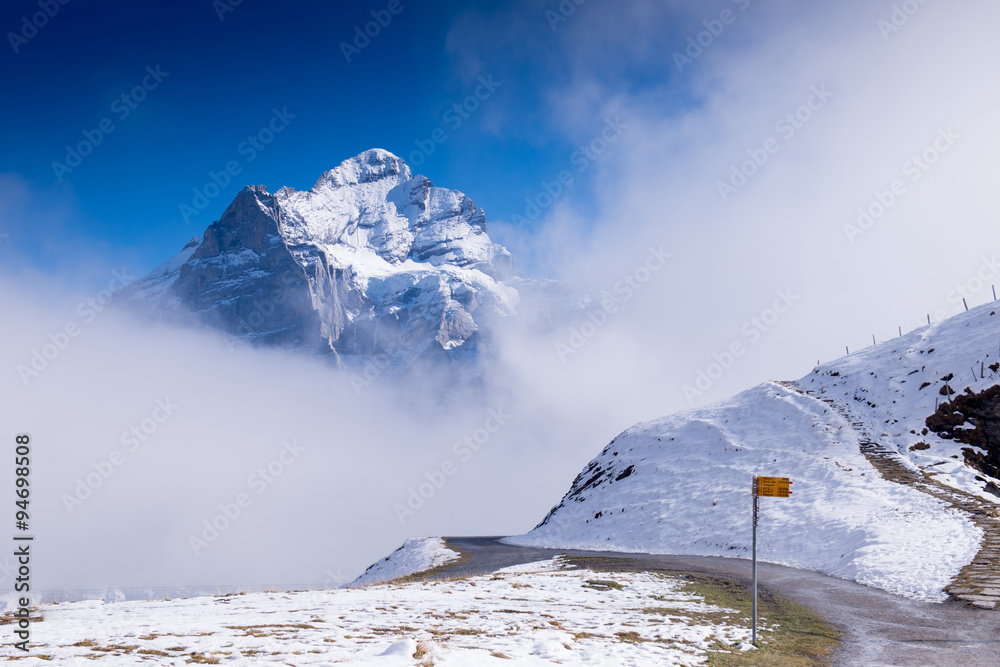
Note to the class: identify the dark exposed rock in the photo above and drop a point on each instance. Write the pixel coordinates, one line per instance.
(973, 419)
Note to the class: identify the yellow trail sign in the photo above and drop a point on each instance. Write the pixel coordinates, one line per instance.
(776, 487)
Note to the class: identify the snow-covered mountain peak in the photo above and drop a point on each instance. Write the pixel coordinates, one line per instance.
(372, 165)
(371, 260)
(371, 205)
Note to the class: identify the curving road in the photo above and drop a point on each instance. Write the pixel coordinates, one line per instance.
(878, 628)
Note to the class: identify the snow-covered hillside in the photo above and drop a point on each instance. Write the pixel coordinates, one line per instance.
(682, 484)
(537, 614)
(371, 261)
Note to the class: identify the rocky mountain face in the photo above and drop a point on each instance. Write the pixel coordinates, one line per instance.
(371, 261)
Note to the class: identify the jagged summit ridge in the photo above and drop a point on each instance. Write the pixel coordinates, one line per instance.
(372, 202)
(372, 165)
(371, 260)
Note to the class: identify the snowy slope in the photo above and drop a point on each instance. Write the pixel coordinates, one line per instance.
(682, 484)
(372, 260)
(895, 386)
(416, 555)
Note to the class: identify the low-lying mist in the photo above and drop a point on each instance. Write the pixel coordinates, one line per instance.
(169, 457)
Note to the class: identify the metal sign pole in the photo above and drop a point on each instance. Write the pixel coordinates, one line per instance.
(774, 487)
(756, 506)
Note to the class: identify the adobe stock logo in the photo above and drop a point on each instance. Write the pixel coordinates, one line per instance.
(752, 330)
(223, 7)
(88, 309)
(787, 126)
(230, 512)
(37, 21)
(913, 169)
(464, 449)
(582, 158)
(254, 145)
(697, 44)
(363, 38)
(623, 290)
(373, 368)
(132, 439)
(565, 9)
(122, 108)
(901, 15)
(453, 117)
(988, 270)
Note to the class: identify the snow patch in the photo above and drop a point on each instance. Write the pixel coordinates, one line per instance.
(416, 555)
(506, 618)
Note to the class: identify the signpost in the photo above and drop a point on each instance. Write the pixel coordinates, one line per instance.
(775, 487)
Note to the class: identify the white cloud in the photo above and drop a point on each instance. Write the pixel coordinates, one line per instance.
(785, 227)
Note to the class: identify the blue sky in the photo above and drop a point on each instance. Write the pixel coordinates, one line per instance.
(896, 80)
(222, 69)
